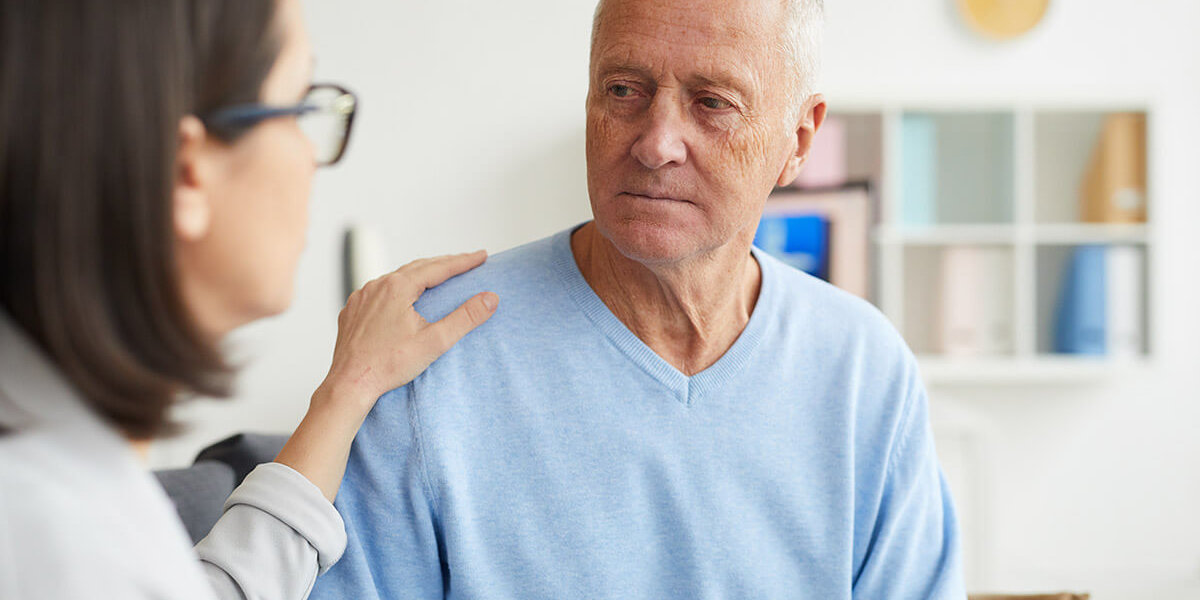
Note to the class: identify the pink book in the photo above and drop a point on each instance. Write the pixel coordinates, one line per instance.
(826, 164)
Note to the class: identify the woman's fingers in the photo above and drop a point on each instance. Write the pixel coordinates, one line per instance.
(432, 272)
(383, 342)
(407, 283)
(474, 312)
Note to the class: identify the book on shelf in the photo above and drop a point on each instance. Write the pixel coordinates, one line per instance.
(1114, 185)
(826, 163)
(1101, 308)
(1082, 317)
(800, 240)
(918, 170)
(848, 215)
(976, 312)
(1125, 274)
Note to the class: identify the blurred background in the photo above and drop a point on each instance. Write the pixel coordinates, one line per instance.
(1026, 210)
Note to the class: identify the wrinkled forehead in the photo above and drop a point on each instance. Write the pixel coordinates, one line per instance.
(709, 21)
(741, 31)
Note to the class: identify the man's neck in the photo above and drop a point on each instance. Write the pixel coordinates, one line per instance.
(690, 314)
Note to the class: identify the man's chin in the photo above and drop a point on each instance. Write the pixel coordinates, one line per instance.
(650, 243)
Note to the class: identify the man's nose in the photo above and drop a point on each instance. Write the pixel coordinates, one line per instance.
(662, 141)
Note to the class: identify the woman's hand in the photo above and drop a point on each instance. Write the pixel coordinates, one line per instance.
(382, 344)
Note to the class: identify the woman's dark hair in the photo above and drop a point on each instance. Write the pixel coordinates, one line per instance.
(91, 97)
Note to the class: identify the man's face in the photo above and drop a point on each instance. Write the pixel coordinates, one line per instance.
(688, 123)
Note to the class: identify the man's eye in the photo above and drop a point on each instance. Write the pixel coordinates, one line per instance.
(715, 103)
(620, 91)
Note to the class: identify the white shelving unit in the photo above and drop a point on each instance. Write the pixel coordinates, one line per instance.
(1014, 187)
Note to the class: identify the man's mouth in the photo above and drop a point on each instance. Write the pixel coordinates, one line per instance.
(653, 196)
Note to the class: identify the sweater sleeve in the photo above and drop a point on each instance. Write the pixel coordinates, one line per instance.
(277, 534)
(915, 550)
(393, 548)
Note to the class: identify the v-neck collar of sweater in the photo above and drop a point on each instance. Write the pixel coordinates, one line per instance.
(687, 389)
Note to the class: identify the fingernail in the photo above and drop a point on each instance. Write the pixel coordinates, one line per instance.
(491, 301)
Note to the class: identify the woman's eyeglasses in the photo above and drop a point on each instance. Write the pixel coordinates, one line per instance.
(326, 115)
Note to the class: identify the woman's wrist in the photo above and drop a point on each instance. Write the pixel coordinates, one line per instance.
(320, 446)
(344, 400)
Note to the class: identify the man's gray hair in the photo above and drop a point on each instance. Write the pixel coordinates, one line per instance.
(801, 45)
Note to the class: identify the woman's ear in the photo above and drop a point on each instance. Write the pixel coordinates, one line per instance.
(811, 118)
(191, 203)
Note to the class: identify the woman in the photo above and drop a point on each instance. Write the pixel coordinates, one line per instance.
(155, 164)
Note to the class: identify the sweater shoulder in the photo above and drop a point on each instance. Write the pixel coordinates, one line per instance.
(516, 276)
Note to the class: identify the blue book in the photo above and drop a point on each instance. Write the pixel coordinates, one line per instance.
(1082, 324)
(801, 241)
(918, 170)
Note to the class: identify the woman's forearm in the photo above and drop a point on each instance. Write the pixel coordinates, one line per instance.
(320, 446)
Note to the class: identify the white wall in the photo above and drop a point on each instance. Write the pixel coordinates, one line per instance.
(471, 135)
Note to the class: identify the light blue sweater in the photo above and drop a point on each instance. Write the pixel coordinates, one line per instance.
(552, 454)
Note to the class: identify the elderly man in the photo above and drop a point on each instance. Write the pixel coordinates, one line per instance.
(658, 410)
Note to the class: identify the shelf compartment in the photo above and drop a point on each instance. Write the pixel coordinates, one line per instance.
(955, 168)
(960, 300)
(1107, 313)
(1065, 142)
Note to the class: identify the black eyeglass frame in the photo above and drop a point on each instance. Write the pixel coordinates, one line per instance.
(231, 122)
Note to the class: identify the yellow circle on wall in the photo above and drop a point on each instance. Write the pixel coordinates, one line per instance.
(1003, 19)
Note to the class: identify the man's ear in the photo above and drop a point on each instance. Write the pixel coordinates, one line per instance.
(191, 204)
(811, 118)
